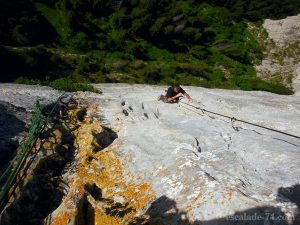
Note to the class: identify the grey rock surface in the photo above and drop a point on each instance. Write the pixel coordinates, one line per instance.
(284, 31)
(42, 189)
(296, 80)
(25, 96)
(203, 168)
(282, 48)
(17, 103)
(209, 167)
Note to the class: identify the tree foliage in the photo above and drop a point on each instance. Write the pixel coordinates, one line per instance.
(166, 33)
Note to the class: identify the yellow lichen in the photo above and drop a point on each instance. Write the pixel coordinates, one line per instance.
(105, 170)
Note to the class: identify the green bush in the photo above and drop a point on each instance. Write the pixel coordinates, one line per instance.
(256, 84)
(199, 52)
(99, 78)
(116, 38)
(25, 80)
(58, 19)
(19, 35)
(154, 53)
(63, 84)
(200, 70)
(187, 79)
(66, 84)
(79, 41)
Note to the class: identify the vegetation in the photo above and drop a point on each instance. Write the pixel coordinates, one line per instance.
(204, 43)
(68, 85)
(62, 84)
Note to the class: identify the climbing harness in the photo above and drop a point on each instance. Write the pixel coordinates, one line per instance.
(233, 119)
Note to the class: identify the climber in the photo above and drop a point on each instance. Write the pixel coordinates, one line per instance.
(173, 94)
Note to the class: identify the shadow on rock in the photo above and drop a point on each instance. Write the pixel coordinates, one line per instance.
(291, 194)
(105, 138)
(86, 215)
(42, 189)
(10, 127)
(164, 211)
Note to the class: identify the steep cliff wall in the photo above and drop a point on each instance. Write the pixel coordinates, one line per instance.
(281, 40)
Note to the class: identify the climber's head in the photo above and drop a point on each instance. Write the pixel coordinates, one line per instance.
(176, 88)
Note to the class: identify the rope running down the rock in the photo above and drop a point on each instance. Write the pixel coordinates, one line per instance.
(242, 121)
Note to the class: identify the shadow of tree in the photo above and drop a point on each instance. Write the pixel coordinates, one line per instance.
(10, 126)
(86, 215)
(164, 211)
(291, 194)
(42, 187)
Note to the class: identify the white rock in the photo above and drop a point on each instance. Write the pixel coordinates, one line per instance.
(235, 170)
(283, 31)
(282, 54)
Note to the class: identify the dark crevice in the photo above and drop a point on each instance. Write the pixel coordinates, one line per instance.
(104, 138)
(146, 115)
(118, 210)
(94, 191)
(287, 142)
(198, 145)
(125, 112)
(86, 215)
(81, 114)
(43, 191)
(157, 117)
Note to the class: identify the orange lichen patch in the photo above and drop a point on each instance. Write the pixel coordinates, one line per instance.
(68, 209)
(193, 202)
(113, 182)
(102, 219)
(229, 193)
(77, 190)
(64, 218)
(121, 196)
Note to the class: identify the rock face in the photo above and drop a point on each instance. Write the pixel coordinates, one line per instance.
(140, 161)
(25, 96)
(11, 125)
(16, 107)
(296, 80)
(282, 51)
(203, 167)
(39, 192)
(284, 31)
